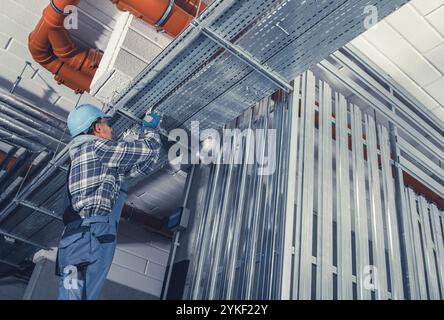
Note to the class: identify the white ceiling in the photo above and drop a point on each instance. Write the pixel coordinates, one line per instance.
(409, 46)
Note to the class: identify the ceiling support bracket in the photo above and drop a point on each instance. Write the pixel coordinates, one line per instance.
(244, 56)
(38, 209)
(18, 238)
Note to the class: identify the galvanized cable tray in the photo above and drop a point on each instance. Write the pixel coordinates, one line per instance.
(197, 79)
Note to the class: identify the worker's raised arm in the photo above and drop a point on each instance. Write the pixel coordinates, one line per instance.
(125, 155)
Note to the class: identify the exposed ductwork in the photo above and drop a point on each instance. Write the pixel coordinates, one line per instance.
(37, 124)
(24, 125)
(165, 14)
(14, 139)
(32, 134)
(52, 47)
(31, 111)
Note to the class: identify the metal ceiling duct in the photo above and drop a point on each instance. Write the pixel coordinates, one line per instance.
(30, 121)
(32, 134)
(236, 53)
(31, 110)
(16, 140)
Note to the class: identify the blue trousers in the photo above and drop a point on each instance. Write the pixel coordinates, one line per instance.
(84, 258)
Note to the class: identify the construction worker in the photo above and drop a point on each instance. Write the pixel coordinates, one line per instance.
(97, 193)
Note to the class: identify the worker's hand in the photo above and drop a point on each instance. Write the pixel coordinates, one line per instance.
(151, 121)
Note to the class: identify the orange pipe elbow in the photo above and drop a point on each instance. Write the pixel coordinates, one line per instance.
(51, 45)
(73, 79)
(152, 11)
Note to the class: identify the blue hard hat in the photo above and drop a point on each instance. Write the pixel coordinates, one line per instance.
(82, 117)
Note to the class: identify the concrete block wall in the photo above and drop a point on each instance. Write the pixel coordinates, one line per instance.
(132, 46)
(137, 271)
(140, 260)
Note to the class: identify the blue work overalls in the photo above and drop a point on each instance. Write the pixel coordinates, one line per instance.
(86, 252)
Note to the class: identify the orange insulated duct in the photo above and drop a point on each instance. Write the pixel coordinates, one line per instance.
(51, 45)
(160, 13)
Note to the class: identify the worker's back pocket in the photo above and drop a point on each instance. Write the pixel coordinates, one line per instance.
(77, 249)
(103, 232)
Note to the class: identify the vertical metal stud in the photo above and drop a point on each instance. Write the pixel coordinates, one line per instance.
(376, 210)
(432, 279)
(393, 247)
(325, 201)
(439, 245)
(289, 244)
(345, 286)
(419, 263)
(305, 210)
(360, 205)
(239, 216)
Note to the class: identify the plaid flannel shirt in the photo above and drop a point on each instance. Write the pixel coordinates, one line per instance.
(98, 168)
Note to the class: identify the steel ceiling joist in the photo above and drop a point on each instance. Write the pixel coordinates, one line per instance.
(11, 264)
(47, 212)
(21, 239)
(245, 57)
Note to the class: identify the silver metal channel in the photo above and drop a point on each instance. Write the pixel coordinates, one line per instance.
(325, 196)
(34, 207)
(289, 245)
(239, 220)
(278, 80)
(260, 149)
(392, 232)
(41, 179)
(421, 158)
(414, 219)
(21, 239)
(378, 105)
(376, 212)
(388, 96)
(428, 247)
(305, 210)
(221, 231)
(420, 175)
(438, 240)
(412, 276)
(360, 204)
(345, 286)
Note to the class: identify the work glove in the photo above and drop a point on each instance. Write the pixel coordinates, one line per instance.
(151, 121)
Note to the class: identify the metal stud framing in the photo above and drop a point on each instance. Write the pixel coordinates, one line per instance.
(425, 249)
(324, 178)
